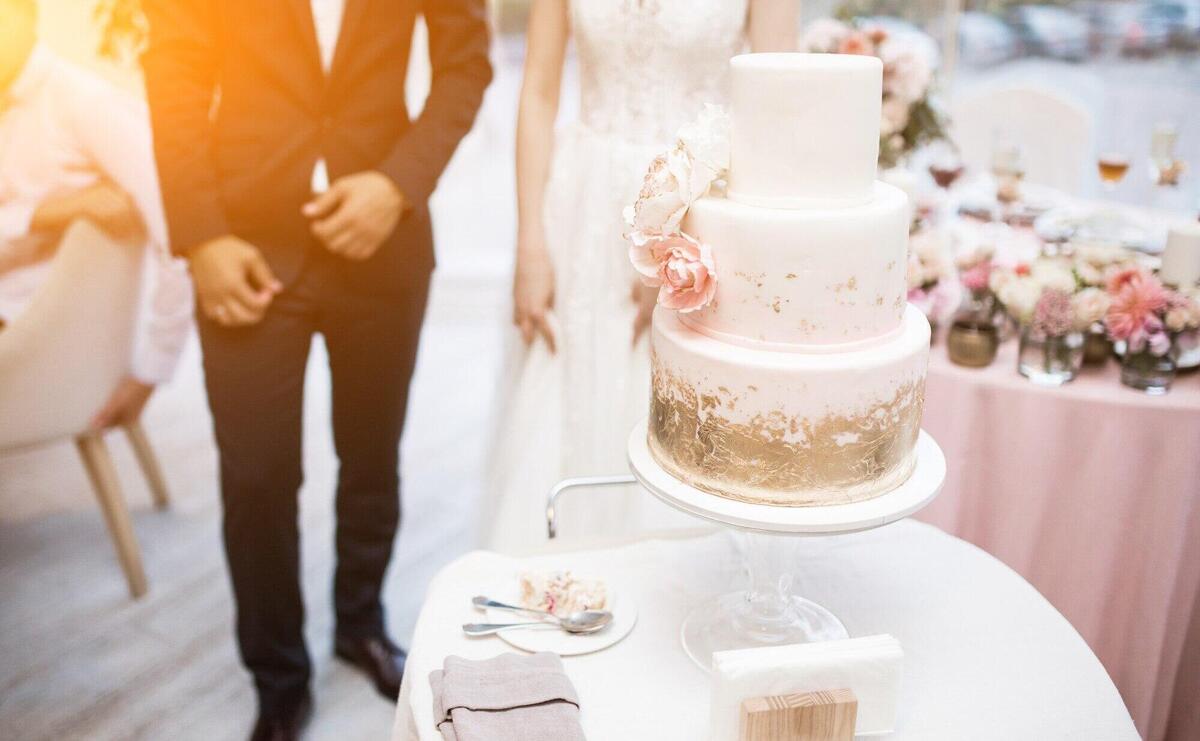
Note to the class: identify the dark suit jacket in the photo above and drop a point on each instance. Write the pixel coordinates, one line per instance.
(242, 110)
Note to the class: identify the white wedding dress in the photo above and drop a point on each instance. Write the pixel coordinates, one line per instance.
(646, 67)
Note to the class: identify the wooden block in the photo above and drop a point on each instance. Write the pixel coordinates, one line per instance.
(807, 716)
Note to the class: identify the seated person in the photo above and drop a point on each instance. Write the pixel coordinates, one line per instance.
(73, 146)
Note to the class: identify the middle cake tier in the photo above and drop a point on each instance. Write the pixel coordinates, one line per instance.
(800, 278)
(787, 428)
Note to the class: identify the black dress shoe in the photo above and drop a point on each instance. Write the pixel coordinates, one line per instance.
(283, 721)
(377, 657)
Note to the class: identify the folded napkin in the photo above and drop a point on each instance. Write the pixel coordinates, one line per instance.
(506, 698)
(869, 666)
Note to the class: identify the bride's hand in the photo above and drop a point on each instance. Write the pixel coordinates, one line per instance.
(646, 299)
(533, 294)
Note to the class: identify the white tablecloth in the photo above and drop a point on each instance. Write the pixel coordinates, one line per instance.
(986, 657)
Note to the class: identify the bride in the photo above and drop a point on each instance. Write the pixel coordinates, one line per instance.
(580, 379)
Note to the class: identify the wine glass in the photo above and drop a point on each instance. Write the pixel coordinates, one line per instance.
(1165, 168)
(1007, 169)
(945, 165)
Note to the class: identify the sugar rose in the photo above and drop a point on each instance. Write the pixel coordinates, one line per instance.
(681, 267)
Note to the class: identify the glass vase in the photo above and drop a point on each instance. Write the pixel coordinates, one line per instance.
(1049, 360)
(1148, 372)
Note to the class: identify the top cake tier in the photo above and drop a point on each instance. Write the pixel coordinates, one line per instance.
(805, 129)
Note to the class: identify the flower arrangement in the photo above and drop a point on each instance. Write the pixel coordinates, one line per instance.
(1048, 295)
(1145, 314)
(933, 286)
(908, 118)
(1095, 263)
(664, 256)
(975, 269)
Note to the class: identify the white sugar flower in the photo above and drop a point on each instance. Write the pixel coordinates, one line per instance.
(707, 141)
(664, 197)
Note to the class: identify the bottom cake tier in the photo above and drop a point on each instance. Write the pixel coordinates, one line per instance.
(787, 428)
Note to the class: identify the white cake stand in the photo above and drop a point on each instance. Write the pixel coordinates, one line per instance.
(767, 613)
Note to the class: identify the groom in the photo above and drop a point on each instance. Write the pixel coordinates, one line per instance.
(295, 184)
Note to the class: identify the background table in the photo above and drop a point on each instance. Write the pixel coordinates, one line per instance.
(1091, 491)
(986, 657)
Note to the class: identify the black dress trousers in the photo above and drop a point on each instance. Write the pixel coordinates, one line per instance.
(255, 381)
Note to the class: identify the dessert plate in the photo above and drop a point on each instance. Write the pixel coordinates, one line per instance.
(556, 640)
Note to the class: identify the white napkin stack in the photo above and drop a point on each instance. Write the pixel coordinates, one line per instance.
(869, 666)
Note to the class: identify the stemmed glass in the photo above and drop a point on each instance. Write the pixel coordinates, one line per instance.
(945, 164)
(1007, 169)
(1165, 168)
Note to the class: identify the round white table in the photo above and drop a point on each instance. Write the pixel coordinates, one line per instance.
(986, 657)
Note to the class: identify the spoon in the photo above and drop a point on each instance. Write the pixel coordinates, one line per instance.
(485, 603)
(581, 623)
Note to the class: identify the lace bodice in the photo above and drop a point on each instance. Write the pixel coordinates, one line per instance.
(648, 66)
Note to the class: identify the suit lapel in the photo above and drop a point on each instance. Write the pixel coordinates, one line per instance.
(351, 15)
(301, 11)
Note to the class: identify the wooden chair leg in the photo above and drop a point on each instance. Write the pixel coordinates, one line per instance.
(149, 463)
(103, 475)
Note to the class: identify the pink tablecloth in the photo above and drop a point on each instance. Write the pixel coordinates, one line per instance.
(1092, 493)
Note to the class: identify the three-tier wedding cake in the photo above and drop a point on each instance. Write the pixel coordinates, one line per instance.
(787, 366)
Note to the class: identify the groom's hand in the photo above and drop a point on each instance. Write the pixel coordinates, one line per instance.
(356, 214)
(234, 284)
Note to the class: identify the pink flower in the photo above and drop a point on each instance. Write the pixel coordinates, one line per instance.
(977, 277)
(937, 302)
(1151, 335)
(857, 43)
(1137, 297)
(1052, 316)
(681, 267)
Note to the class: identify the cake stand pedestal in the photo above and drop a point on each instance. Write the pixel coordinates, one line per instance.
(767, 613)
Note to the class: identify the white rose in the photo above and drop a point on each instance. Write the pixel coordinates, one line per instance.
(893, 116)
(1053, 274)
(1095, 262)
(707, 140)
(1020, 296)
(1088, 307)
(824, 35)
(999, 279)
(1184, 315)
(907, 74)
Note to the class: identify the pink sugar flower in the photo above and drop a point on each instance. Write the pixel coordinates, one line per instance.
(681, 267)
